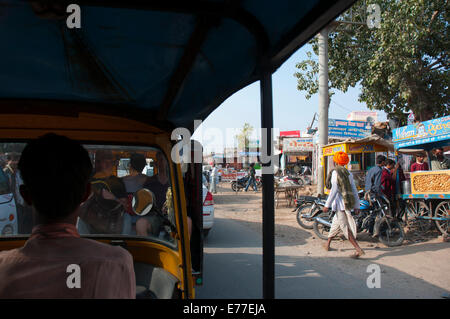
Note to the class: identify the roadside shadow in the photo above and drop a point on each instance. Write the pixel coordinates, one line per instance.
(408, 249)
(239, 275)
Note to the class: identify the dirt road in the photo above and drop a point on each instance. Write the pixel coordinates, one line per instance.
(425, 258)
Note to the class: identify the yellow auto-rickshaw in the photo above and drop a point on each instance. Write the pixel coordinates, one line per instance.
(122, 76)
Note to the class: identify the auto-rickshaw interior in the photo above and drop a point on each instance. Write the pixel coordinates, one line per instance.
(117, 213)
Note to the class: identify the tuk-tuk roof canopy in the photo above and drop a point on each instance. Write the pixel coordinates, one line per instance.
(165, 63)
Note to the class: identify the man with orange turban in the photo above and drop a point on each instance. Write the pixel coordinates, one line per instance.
(342, 199)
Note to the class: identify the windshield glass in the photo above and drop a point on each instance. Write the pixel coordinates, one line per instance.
(117, 205)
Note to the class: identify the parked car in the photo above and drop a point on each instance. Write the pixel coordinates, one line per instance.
(208, 211)
(8, 214)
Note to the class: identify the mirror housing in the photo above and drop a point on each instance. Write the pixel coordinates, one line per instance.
(143, 201)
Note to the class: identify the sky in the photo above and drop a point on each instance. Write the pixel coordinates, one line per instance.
(291, 109)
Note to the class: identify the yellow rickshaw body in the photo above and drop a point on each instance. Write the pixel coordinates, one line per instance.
(94, 128)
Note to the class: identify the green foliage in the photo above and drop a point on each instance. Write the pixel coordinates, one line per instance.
(402, 65)
(243, 137)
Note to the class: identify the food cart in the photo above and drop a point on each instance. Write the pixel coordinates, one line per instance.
(429, 187)
(362, 154)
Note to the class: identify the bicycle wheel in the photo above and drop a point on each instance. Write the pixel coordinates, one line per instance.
(443, 211)
(415, 210)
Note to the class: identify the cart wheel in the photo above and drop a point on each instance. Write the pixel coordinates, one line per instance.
(443, 211)
(415, 210)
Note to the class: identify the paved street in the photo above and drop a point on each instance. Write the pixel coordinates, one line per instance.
(233, 266)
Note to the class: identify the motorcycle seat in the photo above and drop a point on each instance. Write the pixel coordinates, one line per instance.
(307, 198)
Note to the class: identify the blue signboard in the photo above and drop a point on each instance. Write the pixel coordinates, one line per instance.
(348, 129)
(421, 133)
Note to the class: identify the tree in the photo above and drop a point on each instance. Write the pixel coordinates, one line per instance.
(243, 137)
(401, 66)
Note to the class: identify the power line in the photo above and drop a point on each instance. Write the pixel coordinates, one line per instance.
(341, 106)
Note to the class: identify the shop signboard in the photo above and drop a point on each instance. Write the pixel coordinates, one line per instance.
(290, 133)
(331, 150)
(421, 133)
(365, 148)
(293, 144)
(348, 129)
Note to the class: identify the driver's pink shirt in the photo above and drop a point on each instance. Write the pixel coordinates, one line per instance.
(40, 269)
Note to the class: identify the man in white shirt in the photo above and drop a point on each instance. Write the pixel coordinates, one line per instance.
(343, 197)
(213, 180)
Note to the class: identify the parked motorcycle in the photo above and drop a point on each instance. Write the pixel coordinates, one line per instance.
(390, 231)
(239, 184)
(307, 208)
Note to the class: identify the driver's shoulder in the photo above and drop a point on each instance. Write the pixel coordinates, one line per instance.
(98, 250)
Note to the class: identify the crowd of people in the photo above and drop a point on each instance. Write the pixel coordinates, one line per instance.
(109, 209)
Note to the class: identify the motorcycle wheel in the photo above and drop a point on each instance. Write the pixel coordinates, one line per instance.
(321, 230)
(305, 209)
(301, 182)
(391, 232)
(234, 186)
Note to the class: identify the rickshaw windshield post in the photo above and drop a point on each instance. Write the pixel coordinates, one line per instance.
(268, 189)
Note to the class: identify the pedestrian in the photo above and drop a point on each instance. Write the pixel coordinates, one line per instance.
(388, 180)
(419, 165)
(213, 180)
(373, 176)
(24, 211)
(373, 186)
(252, 179)
(342, 199)
(439, 161)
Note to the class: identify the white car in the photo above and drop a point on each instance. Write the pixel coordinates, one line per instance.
(208, 211)
(8, 215)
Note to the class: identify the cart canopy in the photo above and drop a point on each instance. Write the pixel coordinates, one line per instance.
(427, 135)
(372, 139)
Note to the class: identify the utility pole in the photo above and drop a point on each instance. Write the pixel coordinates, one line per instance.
(323, 104)
(373, 20)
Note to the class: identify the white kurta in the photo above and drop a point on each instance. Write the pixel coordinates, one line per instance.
(343, 219)
(335, 200)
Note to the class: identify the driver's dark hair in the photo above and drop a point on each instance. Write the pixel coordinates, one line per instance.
(55, 171)
(381, 159)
